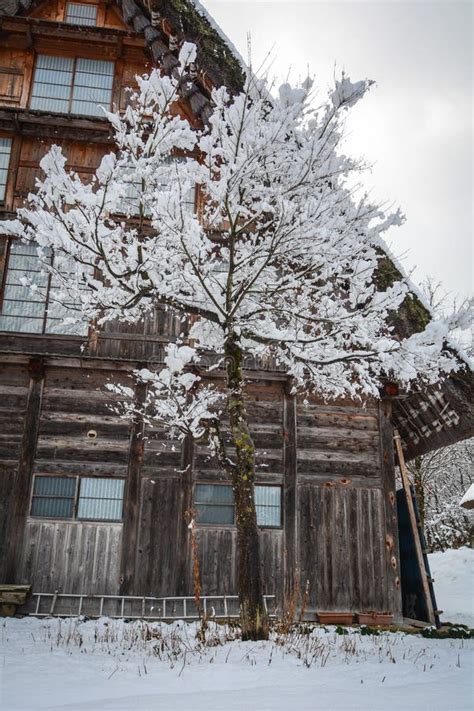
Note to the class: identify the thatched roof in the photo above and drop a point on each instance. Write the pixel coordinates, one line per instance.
(428, 417)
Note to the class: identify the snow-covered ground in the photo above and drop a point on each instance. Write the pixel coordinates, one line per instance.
(453, 573)
(74, 665)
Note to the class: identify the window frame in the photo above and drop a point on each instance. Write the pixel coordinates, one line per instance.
(85, 4)
(3, 200)
(233, 524)
(74, 57)
(46, 318)
(77, 495)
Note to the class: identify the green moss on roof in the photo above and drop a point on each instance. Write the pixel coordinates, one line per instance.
(386, 274)
(412, 316)
(211, 46)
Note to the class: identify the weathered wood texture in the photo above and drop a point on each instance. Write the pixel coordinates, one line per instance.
(290, 494)
(131, 507)
(24, 473)
(76, 406)
(326, 458)
(392, 551)
(7, 476)
(72, 557)
(341, 540)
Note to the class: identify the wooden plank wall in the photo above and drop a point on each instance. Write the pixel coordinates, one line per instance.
(341, 516)
(71, 556)
(68, 555)
(14, 388)
(338, 525)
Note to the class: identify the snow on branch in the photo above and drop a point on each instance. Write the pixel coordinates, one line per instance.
(281, 258)
(176, 398)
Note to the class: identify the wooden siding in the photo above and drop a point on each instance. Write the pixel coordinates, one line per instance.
(337, 521)
(76, 402)
(338, 441)
(71, 556)
(341, 534)
(14, 383)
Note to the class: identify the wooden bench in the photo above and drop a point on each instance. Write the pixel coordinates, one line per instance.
(11, 597)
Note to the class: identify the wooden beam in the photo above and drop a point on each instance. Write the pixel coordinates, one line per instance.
(414, 527)
(188, 451)
(23, 478)
(131, 507)
(290, 503)
(387, 471)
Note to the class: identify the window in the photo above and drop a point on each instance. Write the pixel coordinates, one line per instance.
(82, 498)
(34, 307)
(100, 499)
(81, 14)
(53, 497)
(76, 86)
(214, 504)
(134, 190)
(268, 505)
(5, 150)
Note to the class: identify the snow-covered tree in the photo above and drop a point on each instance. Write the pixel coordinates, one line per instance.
(441, 478)
(278, 260)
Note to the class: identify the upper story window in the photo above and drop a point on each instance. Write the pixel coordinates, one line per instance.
(81, 14)
(75, 86)
(5, 150)
(133, 201)
(31, 298)
(214, 504)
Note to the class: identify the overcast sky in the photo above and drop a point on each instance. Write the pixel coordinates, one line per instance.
(415, 125)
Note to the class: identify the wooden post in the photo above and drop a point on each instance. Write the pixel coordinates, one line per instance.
(22, 480)
(184, 584)
(387, 466)
(131, 508)
(290, 494)
(414, 527)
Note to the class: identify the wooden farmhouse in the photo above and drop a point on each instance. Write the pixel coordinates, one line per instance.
(89, 507)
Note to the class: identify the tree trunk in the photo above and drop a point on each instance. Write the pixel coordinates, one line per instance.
(253, 615)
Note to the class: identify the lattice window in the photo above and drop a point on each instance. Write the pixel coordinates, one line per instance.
(82, 498)
(100, 499)
(268, 505)
(31, 298)
(214, 504)
(81, 14)
(5, 151)
(53, 497)
(134, 193)
(76, 86)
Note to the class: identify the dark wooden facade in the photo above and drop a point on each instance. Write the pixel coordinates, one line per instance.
(333, 462)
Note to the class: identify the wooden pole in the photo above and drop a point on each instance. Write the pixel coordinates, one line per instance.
(24, 474)
(414, 527)
(290, 492)
(131, 508)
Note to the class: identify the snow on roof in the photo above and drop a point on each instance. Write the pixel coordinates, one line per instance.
(467, 500)
(205, 13)
(416, 291)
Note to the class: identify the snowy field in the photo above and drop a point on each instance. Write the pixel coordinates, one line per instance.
(453, 573)
(104, 665)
